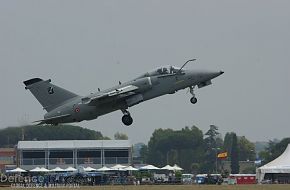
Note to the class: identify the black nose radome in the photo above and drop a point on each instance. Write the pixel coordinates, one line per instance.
(221, 72)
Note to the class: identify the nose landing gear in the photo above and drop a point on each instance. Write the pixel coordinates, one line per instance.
(127, 119)
(193, 100)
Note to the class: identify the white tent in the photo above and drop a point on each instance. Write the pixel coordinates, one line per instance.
(16, 170)
(38, 169)
(167, 167)
(57, 169)
(279, 165)
(42, 169)
(70, 169)
(89, 169)
(35, 169)
(149, 167)
(118, 167)
(130, 168)
(177, 168)
(104, 169)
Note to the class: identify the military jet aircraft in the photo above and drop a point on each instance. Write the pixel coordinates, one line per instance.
(63, 106)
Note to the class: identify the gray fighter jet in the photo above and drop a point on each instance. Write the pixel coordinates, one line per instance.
(63, 106)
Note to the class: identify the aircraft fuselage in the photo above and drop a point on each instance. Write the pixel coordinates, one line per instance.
(148, 86)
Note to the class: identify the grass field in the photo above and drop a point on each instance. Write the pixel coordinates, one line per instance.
(182, 187)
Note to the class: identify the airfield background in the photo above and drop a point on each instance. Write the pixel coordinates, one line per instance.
(189, 148)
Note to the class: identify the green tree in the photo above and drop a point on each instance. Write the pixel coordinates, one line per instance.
(144, 153)
(120, 136)
(274, 150)
(213, 144)
(212, 135)
(10, 136)
(235, 167)
(246, 149)
(182, 147)
(228, 141)
(195, 168)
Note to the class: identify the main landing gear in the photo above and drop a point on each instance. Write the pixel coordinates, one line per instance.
(127, 119)
(193, 100)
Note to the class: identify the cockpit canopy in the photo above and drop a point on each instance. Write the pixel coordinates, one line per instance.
(165, 70)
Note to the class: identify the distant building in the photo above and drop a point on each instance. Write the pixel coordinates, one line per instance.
(136, 149)
(137, 153)
(65, 153)
(7, 158)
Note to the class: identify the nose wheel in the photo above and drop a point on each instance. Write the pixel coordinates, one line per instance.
(127, 119)
(193, 100)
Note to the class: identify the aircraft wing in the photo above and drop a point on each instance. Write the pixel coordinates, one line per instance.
(117, 94)
(51, 119)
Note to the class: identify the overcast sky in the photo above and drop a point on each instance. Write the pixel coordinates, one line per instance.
(83, 45)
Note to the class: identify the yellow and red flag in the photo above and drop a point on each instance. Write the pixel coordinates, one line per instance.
(222, 155)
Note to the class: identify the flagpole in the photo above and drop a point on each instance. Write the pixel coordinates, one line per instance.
(216, 157)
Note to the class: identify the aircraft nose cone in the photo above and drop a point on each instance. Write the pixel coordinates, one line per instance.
(205, 75)
(214, 74)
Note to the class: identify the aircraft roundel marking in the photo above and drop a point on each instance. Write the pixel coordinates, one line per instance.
(77, 110)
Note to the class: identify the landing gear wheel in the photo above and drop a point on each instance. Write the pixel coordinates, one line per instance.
(193, 100)
(127, 120)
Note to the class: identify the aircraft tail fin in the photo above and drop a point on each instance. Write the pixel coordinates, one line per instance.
(49, 96)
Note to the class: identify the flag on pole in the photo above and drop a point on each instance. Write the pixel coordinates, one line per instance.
(222, 155)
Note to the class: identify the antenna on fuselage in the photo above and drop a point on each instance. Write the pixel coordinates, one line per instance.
(179, 71)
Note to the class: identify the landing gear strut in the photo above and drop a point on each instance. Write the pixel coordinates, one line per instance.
(127, 119)
(193, 100)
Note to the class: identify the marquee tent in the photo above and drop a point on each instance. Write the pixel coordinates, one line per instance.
(57, 169)
(118, 167)
(167, 167)
(89, 169)
(149, 167)
(42, 169)
(70, 169)
(35, 169)
(176, 168)
(130, 168)
(104, 169)
(16, 170)
(280, 165)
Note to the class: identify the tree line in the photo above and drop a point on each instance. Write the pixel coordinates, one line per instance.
(273, 150)
(189, 147)
(10, 136)
(194, 151)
